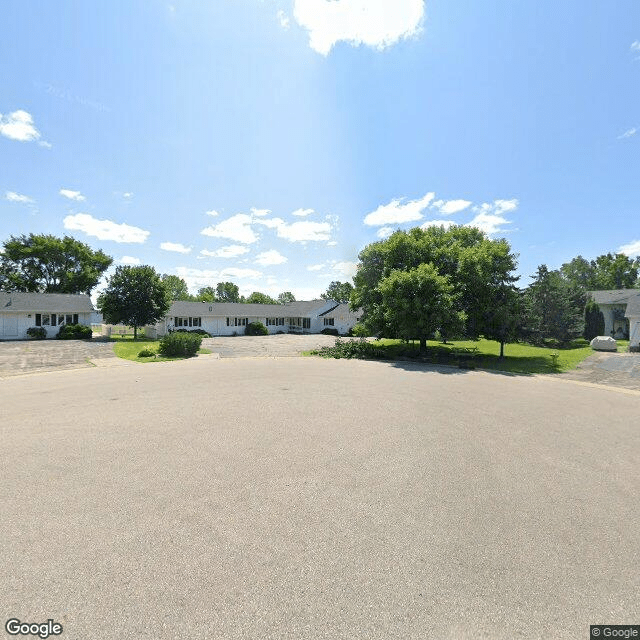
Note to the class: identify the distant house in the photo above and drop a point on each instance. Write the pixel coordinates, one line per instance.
(341, 318)
(229, 318)
(19, 311)
(621, 311)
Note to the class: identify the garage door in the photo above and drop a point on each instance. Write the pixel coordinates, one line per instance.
(10, 326)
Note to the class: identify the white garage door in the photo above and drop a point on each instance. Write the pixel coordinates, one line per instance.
(10, 326)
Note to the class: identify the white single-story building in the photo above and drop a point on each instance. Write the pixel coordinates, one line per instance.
(229, 318)
(341, 318)
(20, 311)
(621, 311)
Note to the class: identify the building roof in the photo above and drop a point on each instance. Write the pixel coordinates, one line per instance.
(47, 302)
(340, 310)
(614, 296)
(231, 309)
(633, 308)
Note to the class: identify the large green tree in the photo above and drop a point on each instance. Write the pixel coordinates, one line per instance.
(259, 298)
(338, 291)
(206, 294)
(47, 264)
(176, 287)
(285, 297)
(135, 296)
(616, 271)
(419, 301)
(478, 268)
(227, 292)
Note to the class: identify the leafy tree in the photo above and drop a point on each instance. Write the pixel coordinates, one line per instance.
(259, 298)
(285, 297)
(477, 268)
(338, 291)
(134, 296)
(418, 302)
(580, 273)
(502, 318)
(47, 264)
(227, 292)
(206, 294)
(616, 271)
(553, 308)
(593, 320)
(176, 287)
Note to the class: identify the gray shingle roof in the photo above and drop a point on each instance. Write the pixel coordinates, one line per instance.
(633, 308)
(235, 309)
(340, 310)
(47, 302)
(614, 296)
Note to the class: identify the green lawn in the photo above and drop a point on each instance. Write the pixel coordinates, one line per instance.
(127, 348)
(519, 358)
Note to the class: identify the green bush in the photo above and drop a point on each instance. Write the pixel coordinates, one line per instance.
(200, 332)
(350, 349)
(147, 353)
(330, 331)
(359, 331)
(180, 345)
(256, 329)
(593, 321)
(74, 332)
(37, 333)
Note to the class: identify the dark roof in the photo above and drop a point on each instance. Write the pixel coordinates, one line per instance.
(614, 296)
(341, 309)
(47, 302)
(292, 309)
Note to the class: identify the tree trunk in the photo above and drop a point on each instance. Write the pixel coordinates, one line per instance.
(501, 349)
(423, 345)
(135, 332)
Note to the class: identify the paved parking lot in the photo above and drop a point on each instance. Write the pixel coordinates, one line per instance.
(278, 345)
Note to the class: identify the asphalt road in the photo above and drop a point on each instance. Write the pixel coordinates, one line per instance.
(312, 499)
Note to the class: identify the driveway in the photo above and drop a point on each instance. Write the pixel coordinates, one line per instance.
(312, 499)
(33, 356)
(611, 369)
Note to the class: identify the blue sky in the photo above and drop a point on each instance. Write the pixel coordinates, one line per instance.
(267, 142)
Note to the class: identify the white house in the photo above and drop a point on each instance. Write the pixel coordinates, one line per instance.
(341, 318)
(621, 311)
(19, 311)
(229, 318)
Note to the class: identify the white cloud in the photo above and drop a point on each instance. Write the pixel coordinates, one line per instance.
(45, 144)
(18, 125)
(315, 267)
(331, 243)
(384, 232)
(271, 223)
(449, 207)
(271, 257)
(437, 223)
(628, 133)
(12, 196)
(196, 278)
(130, 260)
(105, 229)
(635, 46)
(302, 212)
(72, 195)
(127, 195)
(305, 231)
(398, 211)
(212, 212)
(260, 213)
(632, 249)
(237, 228)
(346, 269)
(175, 246)
(497, 207)
(490, 215)
(230, 251)
(375, 23)
(283, 19)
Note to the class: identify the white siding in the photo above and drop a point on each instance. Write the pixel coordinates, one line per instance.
(13, 326)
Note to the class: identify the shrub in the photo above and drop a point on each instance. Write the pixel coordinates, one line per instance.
(37, 333)
(74, 332)
(593, 320)
(359, 331)
(180, 345)
(330, 331)
(146, 353)
(256, 329)
(200, 332)
(350, 349)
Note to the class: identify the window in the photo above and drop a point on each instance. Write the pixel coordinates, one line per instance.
(241, 322)
(46, 319)
(275, 322)
(187, 322)
(306, 323)
(328, 322)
